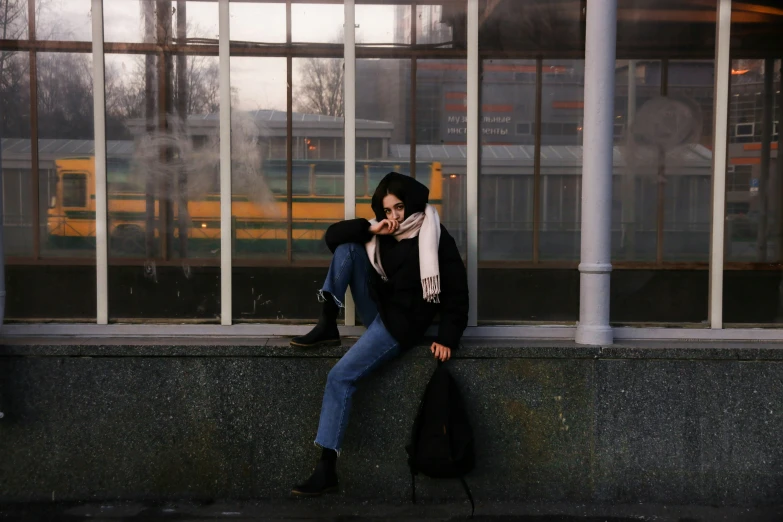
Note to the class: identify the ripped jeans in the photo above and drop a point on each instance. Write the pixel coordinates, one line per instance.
(351, 267)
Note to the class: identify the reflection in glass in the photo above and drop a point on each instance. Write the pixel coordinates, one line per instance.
(381, 128)
(442, 24)
(258, 157)
(752, 204)
(14, 20)
(374, 27)
(136, 21)
(163, 190)
(317, 23)
(754, 184)
(530, 26)
(17, 159)
(162, 127)
(441, 87)
(65, 21)
(245, 26)
(562, 118)
(506, 184)
(636, 167)
(65, 155)
(318, 168)
(681, 129)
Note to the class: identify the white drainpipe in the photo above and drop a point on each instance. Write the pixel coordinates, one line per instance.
(595, 266)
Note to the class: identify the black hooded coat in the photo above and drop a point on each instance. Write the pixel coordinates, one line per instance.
(401, 305)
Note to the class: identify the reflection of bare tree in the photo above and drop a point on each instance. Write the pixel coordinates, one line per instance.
(125, 90)
(64, 95)
(65, 105)
(13, 68)
(321, 87)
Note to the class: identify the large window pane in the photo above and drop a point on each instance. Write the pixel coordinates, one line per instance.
(61, 189)
(67, 20)
(533, 25)
(382, 114)
(662, 178)
(17, 158)
(65, 155)
(506, 182)
(441, 89)
(753, 253)
(562, 118)
(318, 169)
(685, 137)
(162, 113)
(258, 157)
(636, 179)
(245, 26)
(374, 24)
(443, 24)
(14, 20)
(317, 23)
(135, 21)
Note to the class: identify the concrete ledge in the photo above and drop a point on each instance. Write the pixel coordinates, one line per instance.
(470, 349)
(131, 419)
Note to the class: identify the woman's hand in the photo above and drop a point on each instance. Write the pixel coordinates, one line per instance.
(441, 352)
(385, 227)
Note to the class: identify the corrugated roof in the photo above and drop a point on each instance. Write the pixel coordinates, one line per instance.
(551, 155)
(51, 149)
(275, 118)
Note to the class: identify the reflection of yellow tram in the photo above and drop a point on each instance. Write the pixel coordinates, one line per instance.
(317, 202)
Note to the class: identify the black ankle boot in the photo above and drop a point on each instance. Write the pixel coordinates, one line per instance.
(323, 480)
(325, 332)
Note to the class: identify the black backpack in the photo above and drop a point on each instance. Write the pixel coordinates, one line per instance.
(442, 441)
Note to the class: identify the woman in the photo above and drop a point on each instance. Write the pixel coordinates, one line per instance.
(403, 268)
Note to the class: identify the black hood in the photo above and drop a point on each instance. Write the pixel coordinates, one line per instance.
(412, 193)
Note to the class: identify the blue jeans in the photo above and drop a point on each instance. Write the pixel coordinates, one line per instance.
(350, 266)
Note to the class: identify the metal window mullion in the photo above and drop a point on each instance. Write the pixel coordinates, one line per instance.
(537, 162)
(768, 108)
(349, 52)
(289, 139)
(660, 219)
(225, 162)
(719, 132)
(473, 159)
(101, 196)
(35, 175)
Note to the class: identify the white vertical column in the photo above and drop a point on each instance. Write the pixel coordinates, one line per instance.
(350, 132)
(99, 115)
(225, 161)
(595, 266)
(719, 130)
(473, 158)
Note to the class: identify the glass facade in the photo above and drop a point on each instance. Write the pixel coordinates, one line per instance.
(287, 79)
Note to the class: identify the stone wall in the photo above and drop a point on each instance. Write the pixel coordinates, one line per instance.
(554, 423)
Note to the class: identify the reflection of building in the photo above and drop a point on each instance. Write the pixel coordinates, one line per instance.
(382, 96)
(315, 136)
(431, 27)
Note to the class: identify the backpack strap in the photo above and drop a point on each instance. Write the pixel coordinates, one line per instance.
(413, 487)
(467, 490)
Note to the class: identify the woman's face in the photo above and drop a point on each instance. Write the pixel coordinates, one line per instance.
(393, 208)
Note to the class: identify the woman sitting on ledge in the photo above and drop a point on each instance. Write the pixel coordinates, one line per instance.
(403, 268)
